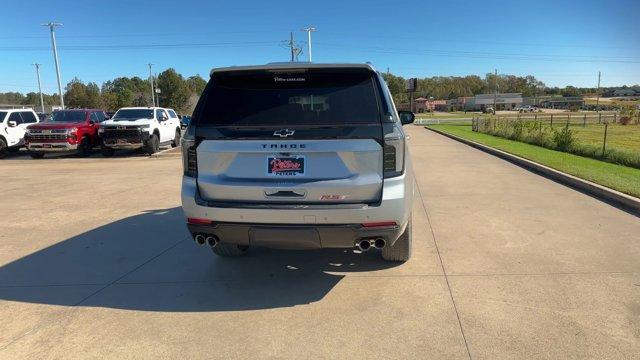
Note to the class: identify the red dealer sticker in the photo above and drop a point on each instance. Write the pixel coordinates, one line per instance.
(285, 166)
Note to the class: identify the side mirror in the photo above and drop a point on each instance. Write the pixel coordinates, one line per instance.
(91, 122)
(12, 123)
(406, 117)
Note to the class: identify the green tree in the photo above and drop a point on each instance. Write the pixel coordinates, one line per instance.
(174, 90)
(93, 96)
(75, 95)
(196, 84)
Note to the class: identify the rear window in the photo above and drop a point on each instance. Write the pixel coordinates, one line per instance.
(277, 98)
(2, 115)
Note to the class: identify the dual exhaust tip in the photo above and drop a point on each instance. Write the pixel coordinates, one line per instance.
(210, 240)
(366, 244)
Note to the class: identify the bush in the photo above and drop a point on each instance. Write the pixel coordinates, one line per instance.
(625, 120)
(535, 133)
(563, 139)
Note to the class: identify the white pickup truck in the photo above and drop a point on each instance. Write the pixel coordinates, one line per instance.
(145, 128)
(13, 126)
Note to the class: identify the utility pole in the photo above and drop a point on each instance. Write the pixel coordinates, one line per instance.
(153, 99)
(598, 94)
(292, 46)
(309, 30)
(52, 25)
(495, 91)
(39, 85)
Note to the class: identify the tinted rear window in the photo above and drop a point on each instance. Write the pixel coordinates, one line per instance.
(312, 97)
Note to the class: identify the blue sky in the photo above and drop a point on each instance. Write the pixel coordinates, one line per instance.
(559, 42)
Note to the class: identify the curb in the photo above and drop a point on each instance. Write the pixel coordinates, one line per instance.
(170, 152)
(626, 202)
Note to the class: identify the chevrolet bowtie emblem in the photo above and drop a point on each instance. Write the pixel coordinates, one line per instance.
(283, 133)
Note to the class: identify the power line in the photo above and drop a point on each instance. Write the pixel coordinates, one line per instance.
(491, 55)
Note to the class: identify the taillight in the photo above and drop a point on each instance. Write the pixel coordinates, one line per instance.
(189, 155)
(190, 159)
(379, 224)
(393, 153)
(199, 221)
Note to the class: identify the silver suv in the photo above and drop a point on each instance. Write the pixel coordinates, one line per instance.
(298, 156)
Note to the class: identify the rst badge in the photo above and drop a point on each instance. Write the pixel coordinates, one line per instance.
(286, 166)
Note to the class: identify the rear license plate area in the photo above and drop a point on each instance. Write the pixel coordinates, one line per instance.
(290, 166)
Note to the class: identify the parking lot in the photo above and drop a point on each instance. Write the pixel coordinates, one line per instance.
(95, 261)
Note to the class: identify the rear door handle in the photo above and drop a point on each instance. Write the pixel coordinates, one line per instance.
(285, 193)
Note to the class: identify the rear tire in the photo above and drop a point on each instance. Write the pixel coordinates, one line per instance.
(36, 155)
(153, 145)
(229, 250)
(176, 139)
(107, 152)
(3, 148)
(401, 249)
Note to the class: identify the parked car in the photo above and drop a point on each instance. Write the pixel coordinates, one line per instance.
(489, 110)
(13, 126)
(184, 121)
(527, 108)
(298, 156)
(145, 128)
(72, 130)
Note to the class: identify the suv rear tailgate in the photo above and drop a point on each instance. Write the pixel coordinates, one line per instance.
(332, 170)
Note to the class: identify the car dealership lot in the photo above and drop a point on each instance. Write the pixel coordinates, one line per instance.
(95, 261)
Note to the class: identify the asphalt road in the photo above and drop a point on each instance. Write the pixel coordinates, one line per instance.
(95, 262)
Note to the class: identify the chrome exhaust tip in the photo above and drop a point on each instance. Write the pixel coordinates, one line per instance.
(379, 243)
(212, 240)
(363, 245)
(200, 239)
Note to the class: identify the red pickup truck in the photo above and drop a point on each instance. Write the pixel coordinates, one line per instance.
(65, 131)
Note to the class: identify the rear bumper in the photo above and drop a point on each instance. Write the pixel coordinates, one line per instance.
(295, 237)
(336, 225)
(51, 146)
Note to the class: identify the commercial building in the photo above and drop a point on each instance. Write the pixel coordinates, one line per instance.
(567, 102)
(423, 104)
(507, 101)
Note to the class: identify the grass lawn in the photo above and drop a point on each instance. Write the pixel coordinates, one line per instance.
(621, 137)
(617, 177)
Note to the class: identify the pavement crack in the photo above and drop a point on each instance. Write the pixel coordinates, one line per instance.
(446, 278)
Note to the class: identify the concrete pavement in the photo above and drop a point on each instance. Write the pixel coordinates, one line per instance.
(95, 262)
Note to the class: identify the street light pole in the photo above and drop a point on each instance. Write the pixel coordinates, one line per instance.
(598, 94)
(39, 86)
(52, 26)
(309, 30)
(153, 99)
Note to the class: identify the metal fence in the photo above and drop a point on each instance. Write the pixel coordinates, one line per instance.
(605, 136)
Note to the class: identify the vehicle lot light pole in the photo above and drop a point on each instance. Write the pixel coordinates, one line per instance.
(52, 25)
(39, 86)
(309, 30)
(153, 99)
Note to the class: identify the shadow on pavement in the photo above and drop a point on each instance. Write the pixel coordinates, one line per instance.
(148, 262)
